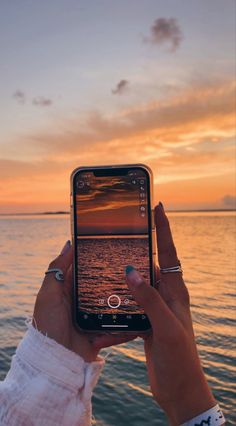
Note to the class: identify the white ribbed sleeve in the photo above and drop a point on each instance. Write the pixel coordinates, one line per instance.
(47, 385)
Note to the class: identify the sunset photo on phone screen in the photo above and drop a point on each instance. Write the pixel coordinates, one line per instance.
(112, 230)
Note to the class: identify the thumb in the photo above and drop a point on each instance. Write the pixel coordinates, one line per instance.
(147, 297)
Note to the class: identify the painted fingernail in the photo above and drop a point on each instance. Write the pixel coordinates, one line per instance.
(66, 247)
(133, 277)
(128, 269)
(161, 205)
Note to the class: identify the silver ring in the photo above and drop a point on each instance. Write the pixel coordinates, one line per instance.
(176, 268)
(58, 273)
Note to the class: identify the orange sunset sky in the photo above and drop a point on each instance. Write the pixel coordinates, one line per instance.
(111, 205)
(107, 82)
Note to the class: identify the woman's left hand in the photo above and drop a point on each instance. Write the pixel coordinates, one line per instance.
(53, 313)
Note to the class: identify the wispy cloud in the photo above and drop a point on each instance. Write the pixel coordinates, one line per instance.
(187, 137)
(19, 96)
(189, 116)
(165, 32)
(121, 87)
(188, 134)
(41, 101)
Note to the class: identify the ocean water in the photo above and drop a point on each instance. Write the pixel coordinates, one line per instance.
(101, 265)
(206, 245)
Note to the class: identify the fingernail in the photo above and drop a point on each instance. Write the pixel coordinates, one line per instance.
(161, 205)
(129, 268)
(133, 276)
(66, 247)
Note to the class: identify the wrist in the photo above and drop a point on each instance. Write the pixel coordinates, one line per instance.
(87, 355)
(85, 349)
(192, 401)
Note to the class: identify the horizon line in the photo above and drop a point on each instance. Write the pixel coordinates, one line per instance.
(62, 212)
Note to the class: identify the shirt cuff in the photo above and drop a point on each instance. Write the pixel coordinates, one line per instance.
(58, 362)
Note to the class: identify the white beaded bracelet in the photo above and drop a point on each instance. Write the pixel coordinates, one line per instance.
(211, 417)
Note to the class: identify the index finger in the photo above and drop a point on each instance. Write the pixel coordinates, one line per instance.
(172, 287)
(167, 255)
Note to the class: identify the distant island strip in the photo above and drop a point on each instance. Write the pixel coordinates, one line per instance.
(62, 212)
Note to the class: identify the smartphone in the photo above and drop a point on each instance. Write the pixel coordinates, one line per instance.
(112, 227)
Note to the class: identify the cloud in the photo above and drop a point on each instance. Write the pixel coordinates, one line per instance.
(229, 201)
(19, 96)
(121, 87)
(41, 101)
(181, 148)
(184, 119)
(165, 31)
(187, 139)
(189, 133)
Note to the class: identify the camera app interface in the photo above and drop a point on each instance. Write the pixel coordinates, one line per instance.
(112, 232)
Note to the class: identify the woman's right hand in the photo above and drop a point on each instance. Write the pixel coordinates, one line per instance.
(176, 377)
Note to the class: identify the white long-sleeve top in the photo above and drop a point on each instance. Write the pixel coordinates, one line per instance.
(47, 384)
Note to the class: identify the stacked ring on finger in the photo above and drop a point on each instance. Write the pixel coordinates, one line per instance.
(172, 269)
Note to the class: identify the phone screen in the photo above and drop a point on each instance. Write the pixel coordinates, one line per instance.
(112, 216)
